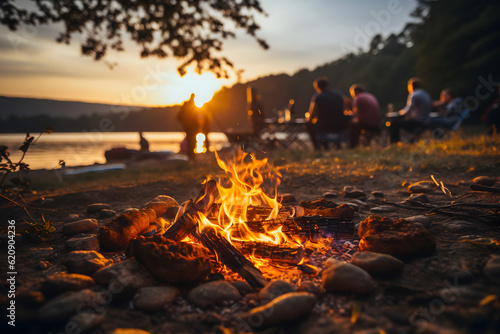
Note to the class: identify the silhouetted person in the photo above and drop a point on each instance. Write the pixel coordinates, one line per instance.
(326, 112)
(191, 121)
(492, 116)
(254, 109)
(366, 112)
(416, 113)
(143, 142)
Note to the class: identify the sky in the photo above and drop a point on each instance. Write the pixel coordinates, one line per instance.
(301, 34)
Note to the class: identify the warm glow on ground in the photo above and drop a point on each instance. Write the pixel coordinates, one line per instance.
(202, 85)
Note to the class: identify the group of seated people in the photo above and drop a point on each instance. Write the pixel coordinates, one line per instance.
(327, 121)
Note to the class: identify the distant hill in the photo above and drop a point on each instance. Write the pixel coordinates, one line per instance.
(21, 106)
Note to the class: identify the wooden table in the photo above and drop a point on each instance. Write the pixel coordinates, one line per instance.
(286, 133)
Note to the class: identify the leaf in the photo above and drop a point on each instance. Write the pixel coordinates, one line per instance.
(488, 299)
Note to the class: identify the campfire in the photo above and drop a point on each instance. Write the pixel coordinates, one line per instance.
(241, 220)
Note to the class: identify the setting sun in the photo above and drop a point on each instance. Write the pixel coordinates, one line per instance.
(202, 85)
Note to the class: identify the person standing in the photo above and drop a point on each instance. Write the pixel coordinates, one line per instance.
(191, 124)
(366, 112)
(143, 142)
(326, 112)
(416, 113)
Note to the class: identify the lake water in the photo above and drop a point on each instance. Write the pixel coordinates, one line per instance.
(87, 148)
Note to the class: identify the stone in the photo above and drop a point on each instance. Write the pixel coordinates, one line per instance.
(309, 286)
(97, 207)
(286, 307)
(80, 226)
(485, 180)
(378, 194)
(155, 298)
(129, 210)
(286, 198)
(460, 226)
(275, 289)
(84, 242)
(325, 208)
(420, 219)
(362, 205)
(167, 199)
(422, 187)
(243, 287)
(171, 261)
(129, 274)
(330, 194)
(129, 331)
(461, 295)
(492, 269)
(73, 217)
(399, 238)
(383, 209)
(353, 192)
(346, 277)
(213, 293)
(377, 263)
(63, 307)
(84, 321)
(85, 262)
(59, 283)
(107, 213)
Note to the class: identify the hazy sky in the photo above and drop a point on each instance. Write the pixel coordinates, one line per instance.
(301, 34)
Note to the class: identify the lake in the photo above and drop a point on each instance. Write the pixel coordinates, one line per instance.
(87, 148)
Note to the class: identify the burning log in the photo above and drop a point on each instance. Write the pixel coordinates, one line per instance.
(310, 228)
(188, 221)
(188, 224)
(117, 233)
(275, 253)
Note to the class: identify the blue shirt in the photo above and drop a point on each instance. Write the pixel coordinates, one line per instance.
(418, 106)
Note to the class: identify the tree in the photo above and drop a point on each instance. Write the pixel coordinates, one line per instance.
(456, 43)
(186, 29)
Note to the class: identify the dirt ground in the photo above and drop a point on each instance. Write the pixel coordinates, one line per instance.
(409, 303)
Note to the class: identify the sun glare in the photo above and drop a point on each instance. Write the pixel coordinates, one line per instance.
(202, 85)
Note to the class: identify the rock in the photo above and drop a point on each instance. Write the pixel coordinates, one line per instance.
(353, 192)
(492, 269)
(80, 226)
(308, 286)
(85, 262)
(83, 322)
(378, 194)
(167, 199)
(73, 217)
(275, 289)
(29, 297)
(286, 307)
(83, 242)
(129, 274)
(117, 233)
(243, 287)
(286, 198)
(485, 180)
(172, 212)
(362, 205)
(330, 194)
(213, 293)
(171, 261)
(59, 283)
(461, 295)
(64, 306)
(97, 207)
(331, 261)
(422, 187)
(129, 331)
(460, 226)
(325, 208)
(383, 209)
(130, 210)
(420, 219)
(377, 263)
(421, 198)
(347, 277)
(107, 213)
(155, 298)
(399, 238)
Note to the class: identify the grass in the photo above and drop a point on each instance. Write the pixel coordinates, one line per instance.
(457, 154)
